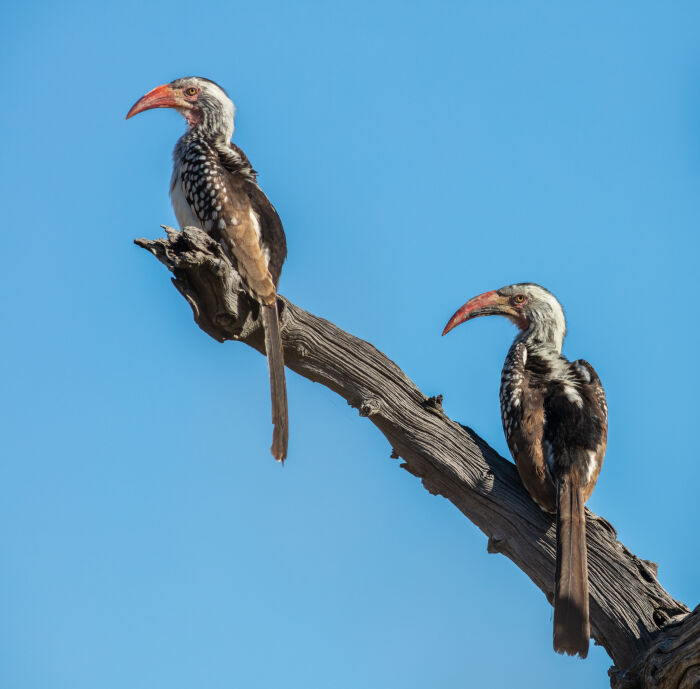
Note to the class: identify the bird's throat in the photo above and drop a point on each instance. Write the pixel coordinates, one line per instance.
(193, 116)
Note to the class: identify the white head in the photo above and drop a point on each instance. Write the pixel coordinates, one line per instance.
(202, 102)
(532, 308)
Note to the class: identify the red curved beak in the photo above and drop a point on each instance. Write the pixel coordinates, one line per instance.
(485, 304)
(160, 97)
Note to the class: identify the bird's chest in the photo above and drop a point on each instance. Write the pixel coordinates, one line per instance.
(197, 188)
(184, 211)
(514, 396)
(511, 400)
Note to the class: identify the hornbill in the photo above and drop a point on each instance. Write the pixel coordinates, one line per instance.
(215, 188)
(555, 419)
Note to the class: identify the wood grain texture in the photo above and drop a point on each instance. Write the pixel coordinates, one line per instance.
(672, 660)
(630, 611)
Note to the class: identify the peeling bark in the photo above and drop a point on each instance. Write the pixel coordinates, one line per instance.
(653, 639)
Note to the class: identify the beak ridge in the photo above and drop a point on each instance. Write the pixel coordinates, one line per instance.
(482, 305)
(160, 97)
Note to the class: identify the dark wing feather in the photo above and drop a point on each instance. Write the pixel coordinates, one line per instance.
(593, 391)
(272, 238)
(593, 388)
(576, 426)
(272, 232)
(522, 408)
(243, 158)
(242, 237)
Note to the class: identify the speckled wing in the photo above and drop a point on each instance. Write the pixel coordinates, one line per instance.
(522, 412)
(223, 206)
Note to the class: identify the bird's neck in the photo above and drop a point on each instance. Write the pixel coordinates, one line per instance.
(546, 327)
(216, 131)
(544, 335)
(198, 135)
(543, 351)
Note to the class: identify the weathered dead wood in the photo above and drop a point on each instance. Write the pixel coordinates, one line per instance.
(632, 616)
(672, 659)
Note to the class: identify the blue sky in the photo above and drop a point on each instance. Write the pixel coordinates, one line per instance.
(418, 153)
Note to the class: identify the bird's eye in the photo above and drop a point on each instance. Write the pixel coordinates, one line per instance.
(519, 299)
(191, 91)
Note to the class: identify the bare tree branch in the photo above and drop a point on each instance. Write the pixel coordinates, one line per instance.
(670, 661)
(632, 616)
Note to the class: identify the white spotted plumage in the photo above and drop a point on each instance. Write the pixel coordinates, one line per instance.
(198, 192)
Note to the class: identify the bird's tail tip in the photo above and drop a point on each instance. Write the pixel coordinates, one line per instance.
(279, 457)
(579, 650)
(279, 445)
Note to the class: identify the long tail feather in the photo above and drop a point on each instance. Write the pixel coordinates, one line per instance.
(278, 384)
(571, 624)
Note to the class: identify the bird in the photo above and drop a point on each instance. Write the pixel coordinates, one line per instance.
(555, 419)
(214, 187)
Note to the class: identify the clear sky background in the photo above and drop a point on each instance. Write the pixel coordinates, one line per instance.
(418, 153)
